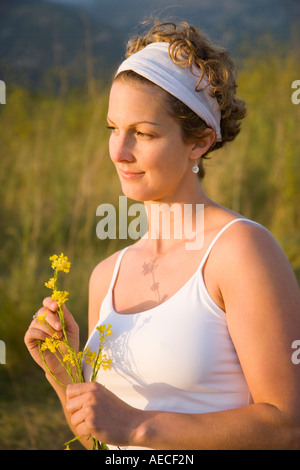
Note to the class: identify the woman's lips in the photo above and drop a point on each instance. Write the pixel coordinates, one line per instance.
(130, 175)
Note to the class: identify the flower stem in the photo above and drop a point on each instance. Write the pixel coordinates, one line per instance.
(48, 368)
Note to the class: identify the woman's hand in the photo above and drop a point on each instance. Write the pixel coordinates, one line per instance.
(97, 412)
(39, 331)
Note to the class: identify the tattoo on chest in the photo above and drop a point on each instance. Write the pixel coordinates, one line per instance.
(149, 269)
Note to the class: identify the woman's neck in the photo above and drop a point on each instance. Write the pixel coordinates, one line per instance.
(173, 223)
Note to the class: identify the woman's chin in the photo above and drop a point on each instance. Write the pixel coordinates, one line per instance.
(134, 193)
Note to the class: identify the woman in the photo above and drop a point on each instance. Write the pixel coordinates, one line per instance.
(201, 344)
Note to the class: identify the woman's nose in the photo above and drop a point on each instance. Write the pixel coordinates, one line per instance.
(120, 147)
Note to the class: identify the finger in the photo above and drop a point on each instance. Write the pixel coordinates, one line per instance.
(50, 317)
(83, 429)
(84, 421)
(68, 317)
(42, 331)
(75, 404)
(34, 334)
(78, 417)
(75, 390)
(50, 304)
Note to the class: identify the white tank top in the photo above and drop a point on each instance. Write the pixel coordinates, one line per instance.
(177, 356)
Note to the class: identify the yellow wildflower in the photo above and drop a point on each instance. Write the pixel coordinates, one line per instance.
(106, 363)
(42, 318)
(61, 296)
(50, 343)
(103, 362)
(89, 356)
(104, 331)
(51, 283)
(69, 358)
(59, 344)
(60, 263)
(79, 356)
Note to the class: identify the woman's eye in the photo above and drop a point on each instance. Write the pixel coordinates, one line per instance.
(112, 129)
(115, 131)
(143, 134)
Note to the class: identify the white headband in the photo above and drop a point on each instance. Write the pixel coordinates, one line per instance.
(154, 63)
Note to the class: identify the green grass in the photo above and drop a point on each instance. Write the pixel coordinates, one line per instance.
(30, 413)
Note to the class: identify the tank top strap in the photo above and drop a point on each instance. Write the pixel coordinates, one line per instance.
(121, 254)
(218, 236)
(116, 268)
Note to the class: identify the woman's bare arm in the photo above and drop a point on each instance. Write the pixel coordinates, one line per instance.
(262, 302)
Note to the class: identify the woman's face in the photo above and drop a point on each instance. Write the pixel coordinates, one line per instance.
(146, 145)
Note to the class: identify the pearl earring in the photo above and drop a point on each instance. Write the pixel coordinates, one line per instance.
(195, 168)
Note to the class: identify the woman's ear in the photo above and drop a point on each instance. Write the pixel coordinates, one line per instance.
(203, 145)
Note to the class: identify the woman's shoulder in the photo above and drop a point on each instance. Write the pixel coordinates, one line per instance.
(243, 236)
(242, 242)
(236, 229)
(246, 245)
(99, 283)
(247, 265)
(103, 271)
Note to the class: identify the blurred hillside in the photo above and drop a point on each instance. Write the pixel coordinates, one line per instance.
(59, 44)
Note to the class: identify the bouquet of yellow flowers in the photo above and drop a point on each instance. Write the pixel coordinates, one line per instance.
(61, 348)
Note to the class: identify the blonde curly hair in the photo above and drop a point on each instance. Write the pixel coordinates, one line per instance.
(189, 46)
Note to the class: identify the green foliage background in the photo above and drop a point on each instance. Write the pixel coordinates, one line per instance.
(55, 171)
